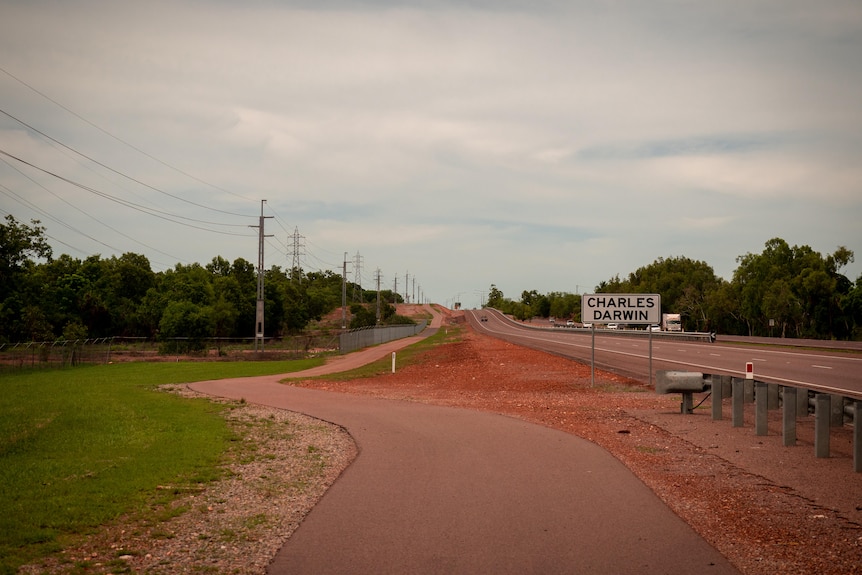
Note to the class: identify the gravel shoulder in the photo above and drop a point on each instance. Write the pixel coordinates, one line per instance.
(767, 508)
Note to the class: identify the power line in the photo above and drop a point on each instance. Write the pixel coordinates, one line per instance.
(39, 210)
(119, 173)
(117, 138)
(149, 211)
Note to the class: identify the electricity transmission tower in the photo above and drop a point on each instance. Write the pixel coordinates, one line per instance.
(297, 253)
(357, 278)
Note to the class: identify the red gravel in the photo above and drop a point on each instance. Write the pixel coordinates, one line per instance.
(768, 508)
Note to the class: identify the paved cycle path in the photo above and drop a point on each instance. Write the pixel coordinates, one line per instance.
(448, 490)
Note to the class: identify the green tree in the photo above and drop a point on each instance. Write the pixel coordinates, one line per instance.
(362, 316)
(19, 245)
(521, 311)
(185, 326)
(852, 305)
(495, 298)
(685, 286)
(796, 287)
(191, 283)
(564, 305)
(124, 285)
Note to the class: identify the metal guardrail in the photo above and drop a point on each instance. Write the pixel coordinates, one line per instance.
(642, 333)
(830, 410)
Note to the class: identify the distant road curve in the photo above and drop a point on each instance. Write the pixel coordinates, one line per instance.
(820, 369)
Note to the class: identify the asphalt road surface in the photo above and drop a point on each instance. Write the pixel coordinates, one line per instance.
(446, 490)
(822, 370)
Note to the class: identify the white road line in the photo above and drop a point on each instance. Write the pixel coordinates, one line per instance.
(821, 366)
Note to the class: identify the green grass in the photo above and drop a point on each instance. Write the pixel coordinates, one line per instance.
(81, 447)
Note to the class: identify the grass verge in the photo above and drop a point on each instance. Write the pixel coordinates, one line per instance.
(80, 447)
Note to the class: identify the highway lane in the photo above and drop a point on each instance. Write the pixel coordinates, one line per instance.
(836, 372)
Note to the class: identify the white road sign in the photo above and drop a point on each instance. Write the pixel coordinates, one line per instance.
(621, 308)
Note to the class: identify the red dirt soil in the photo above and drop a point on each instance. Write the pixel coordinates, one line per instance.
(732, 487)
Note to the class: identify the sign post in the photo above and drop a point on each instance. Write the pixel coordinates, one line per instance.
(593, 357)
(621, 308)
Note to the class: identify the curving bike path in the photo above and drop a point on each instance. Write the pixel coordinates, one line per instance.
(447, 490)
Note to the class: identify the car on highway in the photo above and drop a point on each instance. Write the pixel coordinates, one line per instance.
(570, 323)
(612, 326)
(654, 327)
(484, 318)
(588, 325)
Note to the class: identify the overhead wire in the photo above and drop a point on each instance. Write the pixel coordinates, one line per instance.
(119, 173)
(48, 216)
(117, 138)
(49, 236)
(22, 201)
(39, 210)
(150, 211)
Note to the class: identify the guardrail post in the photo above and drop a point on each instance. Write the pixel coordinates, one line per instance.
(837, 411)
(687, 405)
(772, 394)
(761, 408)
(717, 396)
(788, 412)
(748, 390)
(738, 400)
(856, 411)
(802, 402)
(822, 412)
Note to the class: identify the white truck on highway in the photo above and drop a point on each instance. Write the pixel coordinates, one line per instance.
(671, 322)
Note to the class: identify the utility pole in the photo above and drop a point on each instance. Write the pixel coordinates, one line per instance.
(414, 289)
(344, 294)
(395, 291)
(481, 295)
(377, 277)
(406, 287)
(258, 332)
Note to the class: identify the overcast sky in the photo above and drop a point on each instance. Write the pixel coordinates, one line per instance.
(544, 145)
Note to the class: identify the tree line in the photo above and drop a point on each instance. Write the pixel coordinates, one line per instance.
(43, 298)
(784, 291)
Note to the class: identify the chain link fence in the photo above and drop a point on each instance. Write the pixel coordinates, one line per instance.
(68, 353)
(368, 336)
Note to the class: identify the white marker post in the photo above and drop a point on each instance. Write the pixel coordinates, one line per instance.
(393, 362)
